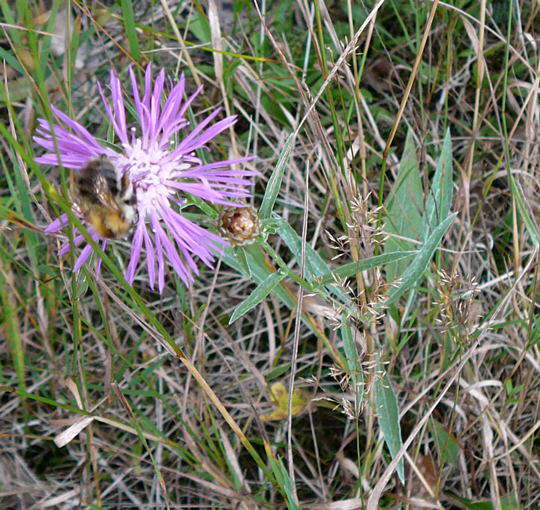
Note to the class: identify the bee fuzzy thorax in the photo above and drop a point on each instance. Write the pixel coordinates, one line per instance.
(105, 198)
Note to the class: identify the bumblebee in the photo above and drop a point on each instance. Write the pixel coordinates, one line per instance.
(105, 199)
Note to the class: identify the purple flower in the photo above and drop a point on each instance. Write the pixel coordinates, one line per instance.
(159, 170)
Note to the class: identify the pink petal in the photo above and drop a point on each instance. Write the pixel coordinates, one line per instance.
(135, 251)
(137, 99)
(83, 257)
(100, 260)
(118, 106)
(150, 258)
(58, 224)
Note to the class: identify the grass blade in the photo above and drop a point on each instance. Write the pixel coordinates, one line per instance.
(529, 223)
(11, 325)
(282, 478)
(129, 25)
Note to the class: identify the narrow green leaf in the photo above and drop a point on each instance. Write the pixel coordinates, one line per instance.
(353, 364)
(11, 60)
(129, 25)
(283, 480)
(259, 272)
(22, 201)
(9, 19)
(388, 415)
(200, 28)
(352, 268)
(508, 502)
(262, 290)
(530, 225)
(277, 372)
(440, 196)
(241, 257)
(12, 332)
(404, 208)
(274, 183)
(315, 266)
(447, 446)
(246, 264)
(415, 271)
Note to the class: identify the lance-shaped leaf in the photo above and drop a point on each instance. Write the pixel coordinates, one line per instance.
(388, 415)
(404, 208)
(274, 183)
(440, 195)
(419, 264)
(261, 291)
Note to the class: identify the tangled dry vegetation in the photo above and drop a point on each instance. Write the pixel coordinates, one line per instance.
(96, 411)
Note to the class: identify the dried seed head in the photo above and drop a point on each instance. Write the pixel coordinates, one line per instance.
(459, 310)
(239, 225)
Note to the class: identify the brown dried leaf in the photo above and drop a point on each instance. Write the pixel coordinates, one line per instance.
(422, 490)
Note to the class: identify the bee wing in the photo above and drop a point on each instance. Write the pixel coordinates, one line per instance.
(96, 186)
(103, 193)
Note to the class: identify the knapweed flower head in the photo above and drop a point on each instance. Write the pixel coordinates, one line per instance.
(158, 156)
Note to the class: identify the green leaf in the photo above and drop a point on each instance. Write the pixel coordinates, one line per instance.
(11, 327)
(20, 193)
(262, 290)
(11, 60)
(388, 415)
(415, 271)
(283, 480)
(241, 257)
(258, 271)
(404, 208)
(274, 183)
(440, 196)
(277, 372)
(315, 266)
(352, 268)
(353, 365)
(530, 225)
(129, 25)
(200, 28)
(508, 502)
(9, 19)
(246, 264)
(447, 446)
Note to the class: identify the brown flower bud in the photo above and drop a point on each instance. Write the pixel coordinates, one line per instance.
(239, 225)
